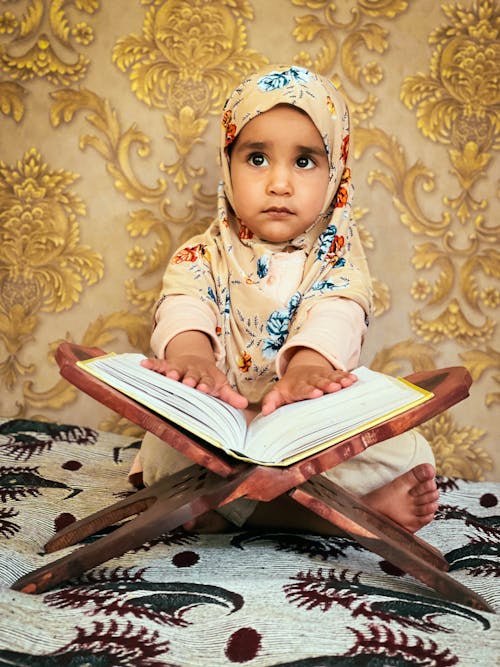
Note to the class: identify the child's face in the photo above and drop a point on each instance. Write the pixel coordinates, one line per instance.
(279, 174)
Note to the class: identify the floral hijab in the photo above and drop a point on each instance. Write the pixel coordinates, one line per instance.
(226, 267)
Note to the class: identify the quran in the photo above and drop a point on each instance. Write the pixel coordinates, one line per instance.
(214, 480)
(287, 435)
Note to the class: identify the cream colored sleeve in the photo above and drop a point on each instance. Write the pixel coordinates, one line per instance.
(179, 313)
(334, 328)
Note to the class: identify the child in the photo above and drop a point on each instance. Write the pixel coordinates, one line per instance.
(270, 305)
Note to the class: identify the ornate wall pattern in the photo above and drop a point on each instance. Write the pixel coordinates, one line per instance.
(108, 124)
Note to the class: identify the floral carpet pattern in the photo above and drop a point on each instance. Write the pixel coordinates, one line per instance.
(243, 598)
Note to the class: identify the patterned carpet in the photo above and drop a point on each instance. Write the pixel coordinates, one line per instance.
(243, 598)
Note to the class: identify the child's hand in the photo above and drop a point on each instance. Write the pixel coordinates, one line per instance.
(196, 369)
(199, 373)
(309, 375)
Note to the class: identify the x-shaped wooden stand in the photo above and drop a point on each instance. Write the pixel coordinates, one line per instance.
(215, 480)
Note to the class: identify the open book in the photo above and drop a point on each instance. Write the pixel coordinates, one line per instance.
(287, 435)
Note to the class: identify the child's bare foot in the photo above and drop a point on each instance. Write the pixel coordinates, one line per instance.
(411, 499)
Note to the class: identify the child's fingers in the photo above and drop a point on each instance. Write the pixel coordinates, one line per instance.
(332, 382)
(203, 377)
(271, 402)
(163, 367)
(231, 396)
(348, 379)
(153, 364)
(187, 372)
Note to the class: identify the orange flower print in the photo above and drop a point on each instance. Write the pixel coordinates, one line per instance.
(244, 232)
(218, 330)
(341, 197)
(230, 127)
(344, 151)
(331, 106)
(346, 176)
(190, 254)
(332, 254)
(244, 362)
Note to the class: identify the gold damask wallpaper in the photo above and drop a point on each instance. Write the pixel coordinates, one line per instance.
(108, 125)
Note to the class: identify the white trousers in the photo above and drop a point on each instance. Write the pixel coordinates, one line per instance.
(369, 470)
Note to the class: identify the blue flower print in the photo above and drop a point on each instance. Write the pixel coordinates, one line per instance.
(293, 303)
(224, 303)
(278, 326)
(227, 307)
(271, 347)
(327, 285)
(325, 240)
(278, 322)
(275, 80)
(263, 266)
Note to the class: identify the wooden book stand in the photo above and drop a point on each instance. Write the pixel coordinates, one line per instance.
(216, 479)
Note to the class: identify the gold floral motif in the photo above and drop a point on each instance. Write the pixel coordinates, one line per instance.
(381, 292)
(420, 289)
(60, 394)
(458, 103)
(402, 183)
(381, 8)
(381, 297)
(480, 361)
(188, 58)
(48, 56)
(184, 130)
(18, 324)
(357, 34)
(141, 224)
(452, 324)
(404, 357)
(365, 235)
(196, 223)
(42, 265)
(103, 332)
(115, 146)
(116, 424)
(11, 102)
(455, 449)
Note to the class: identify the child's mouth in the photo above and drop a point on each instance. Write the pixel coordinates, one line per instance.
(278, 211)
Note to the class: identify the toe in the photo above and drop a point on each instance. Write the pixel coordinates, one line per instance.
(428, 497)
(424, 492)
(425, 509)
(424, 472)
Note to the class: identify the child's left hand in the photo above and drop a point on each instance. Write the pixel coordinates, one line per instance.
(309, 375)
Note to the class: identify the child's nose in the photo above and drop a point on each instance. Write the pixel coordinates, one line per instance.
(280, 181)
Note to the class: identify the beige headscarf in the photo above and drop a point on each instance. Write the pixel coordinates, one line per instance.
(226, 267)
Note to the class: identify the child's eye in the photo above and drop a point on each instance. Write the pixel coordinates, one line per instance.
(257, 160)
(304, 162)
